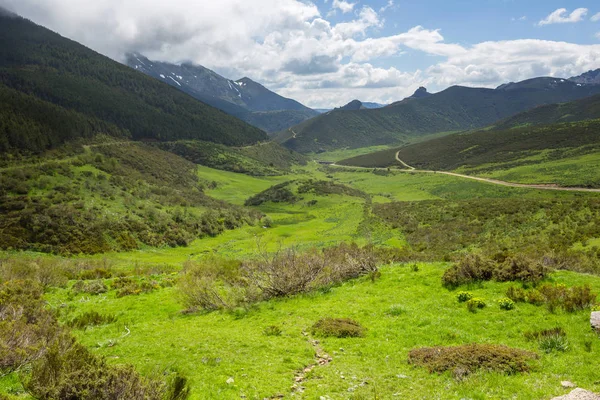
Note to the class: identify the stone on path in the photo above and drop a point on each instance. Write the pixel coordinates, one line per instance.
(595, 320)
(579, 394)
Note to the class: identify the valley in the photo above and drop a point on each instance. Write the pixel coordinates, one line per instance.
(167, 233)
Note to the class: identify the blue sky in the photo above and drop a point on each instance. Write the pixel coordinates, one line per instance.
(468, 22)
(326, 53)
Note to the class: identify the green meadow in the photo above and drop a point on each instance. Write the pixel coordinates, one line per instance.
(228, 354)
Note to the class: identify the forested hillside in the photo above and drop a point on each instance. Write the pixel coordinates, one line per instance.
(454, 109)
(54, 89)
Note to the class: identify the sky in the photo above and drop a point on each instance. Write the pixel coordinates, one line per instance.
(325, 53)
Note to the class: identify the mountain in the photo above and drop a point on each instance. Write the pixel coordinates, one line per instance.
(244, 98)
(587, 78)
(556, 126)
(419, 93)
(353, 106)
(578, 110)
(367, 104)
(457, 108)
(54, 90)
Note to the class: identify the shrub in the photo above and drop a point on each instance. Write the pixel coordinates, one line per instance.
(534, 297)
(91, 318)
(516, 294)
(536, 335)
(465, 359)
(128, 286)
(522, 269)
(506, 304)
(464, 296)
(69, 371)
(548, 344)
(94, 287)
(571, 299)
(475, 303)
(338, 327)
(272, 330)
(472, 268)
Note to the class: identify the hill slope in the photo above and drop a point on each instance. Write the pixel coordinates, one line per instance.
(244, 98)
(454, 109)
(63, 90)
(579, 110)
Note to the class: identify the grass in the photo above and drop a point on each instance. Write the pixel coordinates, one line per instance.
(213, 347)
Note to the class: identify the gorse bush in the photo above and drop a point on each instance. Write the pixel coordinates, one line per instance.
(474, 268)
(506, 304)
(475, 304)
(464, 296)
(555, 296)
(338, 327)
(466, 359)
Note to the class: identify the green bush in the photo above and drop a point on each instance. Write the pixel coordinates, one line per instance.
(272, 330)
(521, 269)
(516, 294)
(506, 304)
(475, 303)
(464, 296)
(472, 268)
(551, 343)
(466, 359)
(338, 327)
(91, 318)
(94, 287)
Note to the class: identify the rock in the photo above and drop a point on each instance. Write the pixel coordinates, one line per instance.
(568, 385)
(230, 381)
(595, 320)
(579, 394)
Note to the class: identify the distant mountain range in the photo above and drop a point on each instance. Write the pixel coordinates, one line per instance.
(561, 127)
(53, 90)
(457, 108)
(244, 98)
(363, 105)
(588, 78)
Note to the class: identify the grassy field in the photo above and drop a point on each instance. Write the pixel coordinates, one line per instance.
(403, 310)
(406, 308)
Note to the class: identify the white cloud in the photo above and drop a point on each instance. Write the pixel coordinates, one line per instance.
(291, 48)
(561, 16)
(595, 17)
(343, 6)
(389, 4)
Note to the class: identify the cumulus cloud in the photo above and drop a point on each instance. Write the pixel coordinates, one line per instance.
(291, 48)
(595, 17)
(343, 6)
(561, 16)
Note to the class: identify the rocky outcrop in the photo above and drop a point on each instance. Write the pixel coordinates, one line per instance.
(579, 394)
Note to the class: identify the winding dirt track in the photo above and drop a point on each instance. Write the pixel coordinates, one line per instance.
(487, 180)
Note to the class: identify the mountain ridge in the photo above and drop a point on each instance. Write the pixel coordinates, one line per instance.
(243, 98)
(457, 108)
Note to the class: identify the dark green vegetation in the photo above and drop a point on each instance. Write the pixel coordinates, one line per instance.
(51, 364)
(485, 148)
(464, 360)
(112, 196)
(244, 98)
(454, 109)
(292, 191)
(338, 327)
(53, 90)
(501, 228)
(267, 158)
(578, 110)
